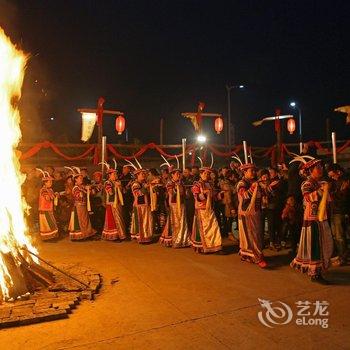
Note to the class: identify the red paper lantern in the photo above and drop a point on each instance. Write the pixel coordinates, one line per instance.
(219, 125)
(291, 125)
(120, 124)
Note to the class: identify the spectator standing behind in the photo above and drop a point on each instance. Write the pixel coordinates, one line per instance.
(218, 205)
(58, 182)
(157, 190)
(187, 181)
(271, 206)
(187, 174)
(66, 202)
(97, 201)
(164, 175)
(264, 181)
(339, 208)
(195, 173)
(289, 225)
(278, 187)
(58, 186)
(227, 189)
(50, 169)
(126, 179)
(31, 188)
(86, 178)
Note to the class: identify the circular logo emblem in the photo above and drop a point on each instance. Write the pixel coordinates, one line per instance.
(274, 313)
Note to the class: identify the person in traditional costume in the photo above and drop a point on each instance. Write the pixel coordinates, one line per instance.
(114, 228)
(47, 197)
(205, 237)
(175, 233)
(142, 220)
(249, 216)
(79, 224)
(316, 243)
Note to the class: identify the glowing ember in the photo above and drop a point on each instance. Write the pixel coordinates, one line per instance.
(12, 205)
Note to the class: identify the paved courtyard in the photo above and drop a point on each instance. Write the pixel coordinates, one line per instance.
(161, 298)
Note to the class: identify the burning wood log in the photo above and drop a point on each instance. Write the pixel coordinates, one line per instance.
(24, 277)
(15, 280)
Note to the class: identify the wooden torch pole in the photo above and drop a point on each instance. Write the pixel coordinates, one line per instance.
(245, 152)
(334, 147)
(183, 154)
(103, 153)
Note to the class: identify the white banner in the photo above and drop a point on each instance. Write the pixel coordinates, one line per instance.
(88, 125)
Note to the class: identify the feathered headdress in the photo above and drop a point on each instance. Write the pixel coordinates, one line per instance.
(306, 161)
(206, 168)
(75, 170)
(242, 166)
(171, 168)
(108, 167)
(46, 176)
(137, 168)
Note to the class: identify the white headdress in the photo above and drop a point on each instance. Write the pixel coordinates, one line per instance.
(46, 175)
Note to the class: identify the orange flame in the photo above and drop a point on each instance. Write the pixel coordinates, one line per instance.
(12, 204)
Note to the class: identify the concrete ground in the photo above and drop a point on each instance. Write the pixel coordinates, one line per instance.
(176, 299)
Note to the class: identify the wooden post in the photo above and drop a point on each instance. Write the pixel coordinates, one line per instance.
(103, 153)
(183, 154)
(279, 143)
(99, 136)
(99, 144)
(245, 152)
(334, 147)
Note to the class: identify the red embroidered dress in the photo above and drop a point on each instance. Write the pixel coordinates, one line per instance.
(80, 225)
(114, 227)
(316, 242)
(47, 221)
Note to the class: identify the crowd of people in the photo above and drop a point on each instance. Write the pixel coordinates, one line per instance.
(303, 207)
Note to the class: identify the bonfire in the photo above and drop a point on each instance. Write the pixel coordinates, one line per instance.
(20, 273)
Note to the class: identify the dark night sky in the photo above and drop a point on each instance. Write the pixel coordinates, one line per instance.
(159, 58)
